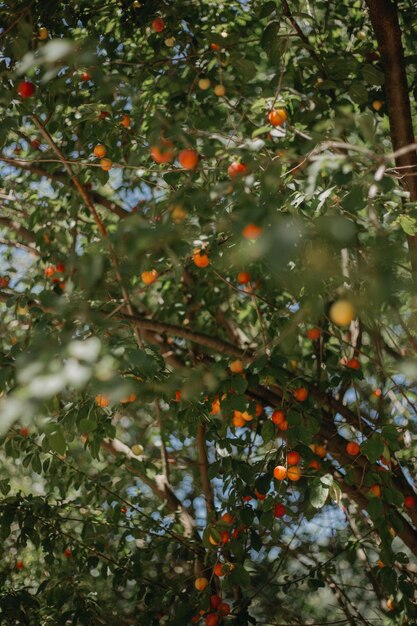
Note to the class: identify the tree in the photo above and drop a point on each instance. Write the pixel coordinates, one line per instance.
(208, 240)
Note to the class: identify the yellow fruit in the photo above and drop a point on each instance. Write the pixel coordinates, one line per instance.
(204, 83)
(361, 35)
(220, 90)
(170, 42)
(149, 277)
(201, 583)
(236, 367)
(342, 312)
(106, 164)
(178, 214)
(43, 33)
(377, 105)
(100, 151)
(22, 310)
(137, 449)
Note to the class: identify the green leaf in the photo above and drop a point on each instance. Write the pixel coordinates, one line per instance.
(373, 448)
(318, 494)
(57, 442)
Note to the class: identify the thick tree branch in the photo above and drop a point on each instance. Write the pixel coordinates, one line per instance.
(384, 19)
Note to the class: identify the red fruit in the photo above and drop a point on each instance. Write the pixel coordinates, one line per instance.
(279, 510)
(4, 282)
(353, 364)
(410, 502)
(24, 432)
(236, 531)
(26, 89)
(60, 267)
(236, 169)
(35, 144)
(228, 518)
(293, 458)
(158, 25)
(19, 565)
(215, 601)
(352, 448)
(103, 115)
(278, 417)
(260, 496)
(224, 608)
(85, 76)
(372, 56)
(247, 498)
(301, 394)
(313, 334)
(67, 553)
(243, 278)
(224, 536)
(212, 619)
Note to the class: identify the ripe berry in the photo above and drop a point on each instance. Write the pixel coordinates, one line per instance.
(224, 608)
(279, 510)
(149, 277)
(280, 472)
(353, 364)
(200, 259)
(215, 601)
(236, 169)
(243, 278)
(188, 159)
(251, 231)
(410, 502)
(26, 89)
(201, 583)
(353, 448)
(212, 619)
(313, 334)
(106, 164)
(278, 417)
(277, 117)
(158, 25)
(294, 473)
(100, 151)
(301, 394)
(293, 458)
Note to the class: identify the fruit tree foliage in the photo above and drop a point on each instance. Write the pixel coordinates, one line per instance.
(208, 326)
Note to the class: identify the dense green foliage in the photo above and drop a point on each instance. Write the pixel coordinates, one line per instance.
(125, 434)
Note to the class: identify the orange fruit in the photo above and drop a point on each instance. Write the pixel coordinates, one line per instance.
(214, 46)
(283, 425)
(200, 258)
(375, 490)
(129, 399)
(260, 496)
(301, 394)
(278, 417)
(201, 583)
(236, 367)
(319, 449)
(102, 401)
(218, 570)
(100, 151)
(259, 409)
(188, 159)
(313, 334)
(106, 164)
(353, 364)
(247, 417)
(377, 105)
(243, 278)
(252, 231)
(125, 121)
(280, 472)
(164, 152)
(380, 564)
(215, 406)
(277, 117)
(213, 541)
(314, 464)
(43, 33)
(220, 90)
(149, 277)
(238, 421)
(178, 396)
(293, 458)
(294, 473)
(228, 518)
(352, 448)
